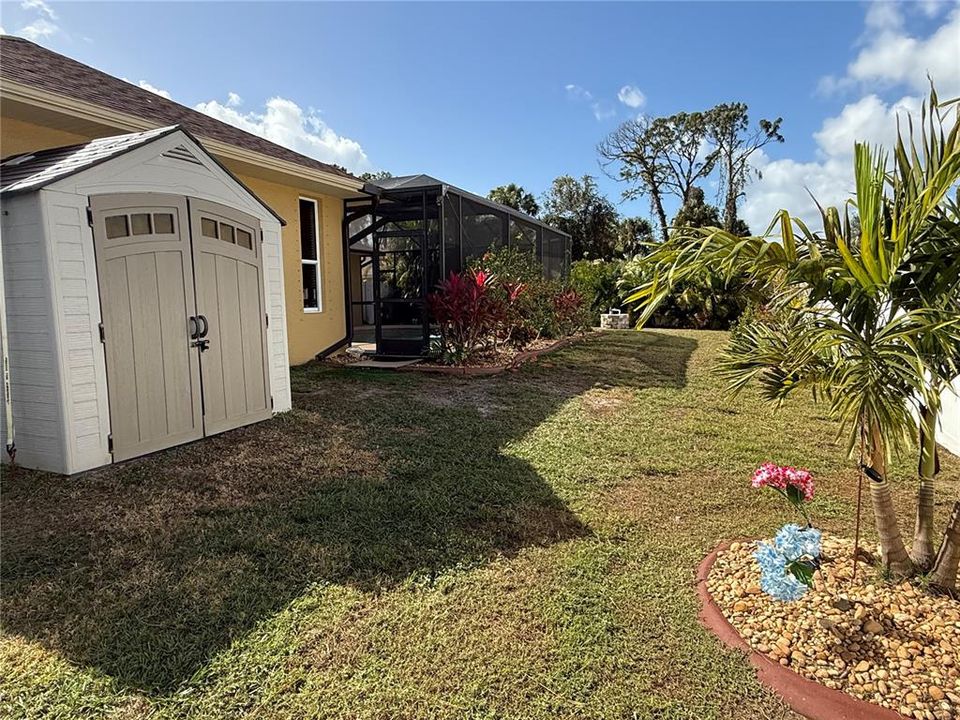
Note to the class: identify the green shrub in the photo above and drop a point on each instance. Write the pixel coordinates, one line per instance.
(598, 284)
(537, 308)
(709, 301)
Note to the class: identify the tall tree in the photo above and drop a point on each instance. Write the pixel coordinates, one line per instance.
(515, 196)
(696, 212)
(578, 208)
(661, 157)
(372, 177)
(734, 142)
(634, 236)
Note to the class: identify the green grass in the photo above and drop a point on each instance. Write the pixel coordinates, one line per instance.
(407, 546)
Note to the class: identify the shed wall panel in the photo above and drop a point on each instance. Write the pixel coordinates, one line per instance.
(35, 391)
(77, 312)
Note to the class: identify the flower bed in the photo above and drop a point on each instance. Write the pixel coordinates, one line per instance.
(892, 645)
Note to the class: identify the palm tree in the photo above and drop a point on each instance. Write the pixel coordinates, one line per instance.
(864, 314)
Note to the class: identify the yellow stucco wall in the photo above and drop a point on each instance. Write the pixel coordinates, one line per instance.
(18, 137)
(307, 332)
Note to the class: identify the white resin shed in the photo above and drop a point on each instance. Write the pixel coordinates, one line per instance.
(143, 299)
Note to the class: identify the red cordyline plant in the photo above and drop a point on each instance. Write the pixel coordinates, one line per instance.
(567, 307)
(467, 313)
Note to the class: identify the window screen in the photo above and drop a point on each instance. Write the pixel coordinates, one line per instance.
(483, 228)
(310, 254)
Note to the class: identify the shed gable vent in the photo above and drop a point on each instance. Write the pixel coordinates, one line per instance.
(181, 153)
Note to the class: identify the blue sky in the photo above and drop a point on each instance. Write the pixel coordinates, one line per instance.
(489, 93)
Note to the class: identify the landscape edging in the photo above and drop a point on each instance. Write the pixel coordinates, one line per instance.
(802, 695)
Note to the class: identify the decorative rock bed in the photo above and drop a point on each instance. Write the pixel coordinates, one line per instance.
(892, 645)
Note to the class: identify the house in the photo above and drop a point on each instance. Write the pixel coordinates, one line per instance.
(48, 100)
(163, 269)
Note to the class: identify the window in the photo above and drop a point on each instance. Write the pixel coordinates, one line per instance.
(117, 226)
(208, 227)
(163, 223)
(244, 239)
(310, 254)
(140, 223)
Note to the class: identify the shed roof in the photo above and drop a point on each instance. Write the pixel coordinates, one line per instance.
(30, 64)
(33, 171)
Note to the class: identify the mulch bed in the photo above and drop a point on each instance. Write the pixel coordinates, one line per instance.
(493, 363)
(487, 363)
(893, 646)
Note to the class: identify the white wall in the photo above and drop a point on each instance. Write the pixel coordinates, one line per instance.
(58, 371)
(950, 419)
(31, 334)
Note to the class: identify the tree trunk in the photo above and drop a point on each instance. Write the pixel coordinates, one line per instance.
(661, 216)
(944, 573)
(892, 549)
(730, 202)
(923, 554)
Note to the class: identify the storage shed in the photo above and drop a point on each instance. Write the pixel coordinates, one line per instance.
(143, 299)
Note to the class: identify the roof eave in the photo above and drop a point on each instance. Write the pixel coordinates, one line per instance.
(29, 95)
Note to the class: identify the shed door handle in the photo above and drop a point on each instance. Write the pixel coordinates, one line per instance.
(194, 328)
(206, 326)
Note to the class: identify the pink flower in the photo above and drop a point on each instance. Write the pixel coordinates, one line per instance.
(780, 477)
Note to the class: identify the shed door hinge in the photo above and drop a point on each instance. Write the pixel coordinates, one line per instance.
(266, 317)
(110, 443)
(103, 335)
(271, 402)
(89, 216)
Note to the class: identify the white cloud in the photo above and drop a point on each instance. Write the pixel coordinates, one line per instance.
(890, 57)
(2, 31)
(602, 110)
(40, 6)
(632, 96)
(575, 92)
(234, 100)
(286, 123)
(155, 90)
(788, 184)
(38, 30)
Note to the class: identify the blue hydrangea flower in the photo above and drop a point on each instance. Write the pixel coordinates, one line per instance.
(792, 543)
(795, 542)
(782, 586)
(770, 559)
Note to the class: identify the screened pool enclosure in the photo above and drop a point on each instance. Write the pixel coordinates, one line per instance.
(411, 232)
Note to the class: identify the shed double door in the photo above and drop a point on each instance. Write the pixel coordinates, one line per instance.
(184, 331)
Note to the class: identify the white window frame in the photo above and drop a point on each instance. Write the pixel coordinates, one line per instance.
(305, 261)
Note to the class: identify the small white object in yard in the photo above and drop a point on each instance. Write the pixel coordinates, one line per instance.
(614, 320)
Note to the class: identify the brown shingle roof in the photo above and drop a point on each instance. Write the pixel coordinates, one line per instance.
(30, 64)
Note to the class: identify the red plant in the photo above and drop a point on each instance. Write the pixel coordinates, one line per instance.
(467, 313)
(568, 309)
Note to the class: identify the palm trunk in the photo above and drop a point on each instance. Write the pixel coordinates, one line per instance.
(892, 549)
(944, 573)
(923, 554)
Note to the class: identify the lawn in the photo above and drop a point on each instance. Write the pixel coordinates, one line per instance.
(412, 546)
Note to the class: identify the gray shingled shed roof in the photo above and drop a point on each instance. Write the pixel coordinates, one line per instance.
(32, 171)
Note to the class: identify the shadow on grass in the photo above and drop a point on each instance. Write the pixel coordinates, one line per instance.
(146, 569)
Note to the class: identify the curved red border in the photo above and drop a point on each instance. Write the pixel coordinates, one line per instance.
(809, 698)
